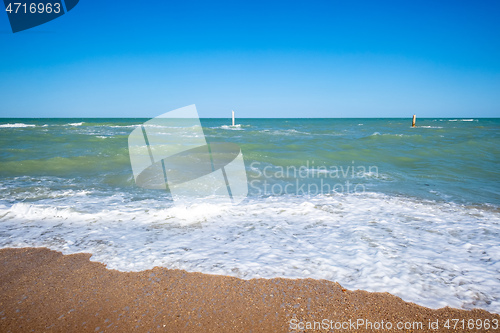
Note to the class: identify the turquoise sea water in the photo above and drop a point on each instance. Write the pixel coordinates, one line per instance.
(371, 203)
(454, 160)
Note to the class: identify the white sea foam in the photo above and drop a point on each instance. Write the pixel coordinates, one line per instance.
(284, 132)
(75, 124)
(125, 126)
(433, 254)
(387, 134)
(41, 193)
(236, 127)
(16, 125)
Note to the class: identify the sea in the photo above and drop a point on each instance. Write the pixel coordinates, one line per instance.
(374, 204)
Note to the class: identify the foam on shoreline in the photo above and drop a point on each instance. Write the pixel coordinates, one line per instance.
(433, 254)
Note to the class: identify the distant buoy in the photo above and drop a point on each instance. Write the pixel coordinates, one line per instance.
(412, 122)
(233, 118)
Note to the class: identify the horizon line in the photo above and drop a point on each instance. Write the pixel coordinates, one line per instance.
(409, 117)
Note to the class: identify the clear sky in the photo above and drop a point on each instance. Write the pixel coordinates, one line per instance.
(260, 58)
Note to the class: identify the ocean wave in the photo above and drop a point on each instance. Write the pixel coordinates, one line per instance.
(231, 127)
(123, 126)
(16, 125)
(414, 249)
(284, 132)
(387, 134)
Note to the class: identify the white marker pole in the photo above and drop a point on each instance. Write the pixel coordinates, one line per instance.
(233, 118)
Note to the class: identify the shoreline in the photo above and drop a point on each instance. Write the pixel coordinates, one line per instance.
(44, 290)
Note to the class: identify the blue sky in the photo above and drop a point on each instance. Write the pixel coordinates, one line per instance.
(260, 58)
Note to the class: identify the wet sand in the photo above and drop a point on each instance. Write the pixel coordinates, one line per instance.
(44, 291)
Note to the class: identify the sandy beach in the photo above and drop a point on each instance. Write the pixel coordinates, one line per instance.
(43, 290)
(250, 166)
